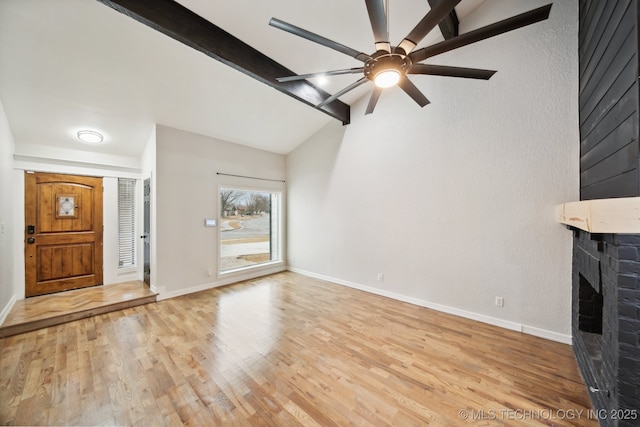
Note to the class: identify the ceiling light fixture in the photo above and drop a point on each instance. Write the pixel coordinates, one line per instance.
(386, 69)
(402, 57)
(387, 78)
(90, 136)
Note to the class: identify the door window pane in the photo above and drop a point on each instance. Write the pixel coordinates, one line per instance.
(126, 222)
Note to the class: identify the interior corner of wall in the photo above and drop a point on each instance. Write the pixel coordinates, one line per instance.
(161, 291)
(7, 309)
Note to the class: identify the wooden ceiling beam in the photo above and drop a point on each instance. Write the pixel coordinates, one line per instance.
(450, 26)
(185, 26)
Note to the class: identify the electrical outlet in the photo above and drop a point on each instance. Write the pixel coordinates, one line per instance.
(500, 301)
(210, 272)
(380, 277)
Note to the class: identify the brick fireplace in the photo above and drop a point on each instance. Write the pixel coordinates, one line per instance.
(606, 219)
(606, 319)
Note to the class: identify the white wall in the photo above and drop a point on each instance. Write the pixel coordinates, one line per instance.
(455, 203)
(186, 193)
(183, 169)
(7, 259)
(43, 158)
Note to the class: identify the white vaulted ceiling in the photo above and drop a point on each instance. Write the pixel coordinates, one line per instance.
(72, 64)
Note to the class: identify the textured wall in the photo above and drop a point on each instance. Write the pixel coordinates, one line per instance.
(455, 203)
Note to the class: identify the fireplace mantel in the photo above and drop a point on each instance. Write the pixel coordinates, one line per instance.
(616, 216)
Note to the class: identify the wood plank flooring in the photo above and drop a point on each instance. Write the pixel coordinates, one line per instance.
(286, 350)
(43, 311)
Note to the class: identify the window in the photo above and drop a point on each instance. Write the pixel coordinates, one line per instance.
(126, 222)
(249, 228)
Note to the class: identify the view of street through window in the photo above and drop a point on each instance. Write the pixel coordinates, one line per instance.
(246, 228)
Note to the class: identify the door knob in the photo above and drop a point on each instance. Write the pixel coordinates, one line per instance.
(31, 240)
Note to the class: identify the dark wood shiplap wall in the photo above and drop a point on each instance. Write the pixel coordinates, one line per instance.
(608, 44)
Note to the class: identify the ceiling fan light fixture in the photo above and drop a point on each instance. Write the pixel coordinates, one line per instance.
(389, 65)
(386, 69)
(90, 136)
(387, 78)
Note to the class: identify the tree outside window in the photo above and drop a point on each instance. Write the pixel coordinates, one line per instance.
(249, 228)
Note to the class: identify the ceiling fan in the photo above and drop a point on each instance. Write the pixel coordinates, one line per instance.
(389, 65)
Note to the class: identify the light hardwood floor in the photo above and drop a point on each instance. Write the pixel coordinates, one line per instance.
(42, 311)
(286, 350)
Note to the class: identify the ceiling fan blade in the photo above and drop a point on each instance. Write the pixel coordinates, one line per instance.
(320, 74)
(509, 24)
(318, 39)
(378, 18)
(375, 95)
(428, 23)
(411, 90)
(337, 95)
(443, 70)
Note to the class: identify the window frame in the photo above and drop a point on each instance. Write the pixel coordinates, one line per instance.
(131, 228)
(279, 233)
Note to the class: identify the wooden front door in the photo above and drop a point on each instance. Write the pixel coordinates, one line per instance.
(63, 233)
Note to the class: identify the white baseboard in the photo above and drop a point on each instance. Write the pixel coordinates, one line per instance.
(550, 335)
(506, 324)
(7, 309)
(222, 281)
